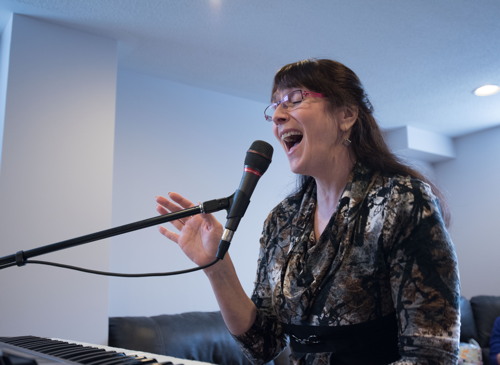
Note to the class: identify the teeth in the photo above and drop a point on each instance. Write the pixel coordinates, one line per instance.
(286, 135)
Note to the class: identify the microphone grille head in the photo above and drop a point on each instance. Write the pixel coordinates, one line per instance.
(259, 155)
(262, 148)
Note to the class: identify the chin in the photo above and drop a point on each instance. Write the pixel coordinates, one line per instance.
(296, 168)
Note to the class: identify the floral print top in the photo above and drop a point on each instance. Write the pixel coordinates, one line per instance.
(385, 252)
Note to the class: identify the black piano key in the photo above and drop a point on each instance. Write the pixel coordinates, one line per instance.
(131, 360)
(45, 347)
(84, 353)
(71, 351)
(23, 341)
(119, 359)
(76, 352)
(146, 360)
(64, 349)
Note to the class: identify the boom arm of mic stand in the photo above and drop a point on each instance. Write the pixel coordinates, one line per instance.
(210, 206)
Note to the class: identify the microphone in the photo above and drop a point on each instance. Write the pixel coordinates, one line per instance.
(257, 161)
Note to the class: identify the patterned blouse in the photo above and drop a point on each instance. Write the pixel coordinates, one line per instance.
(384, 254)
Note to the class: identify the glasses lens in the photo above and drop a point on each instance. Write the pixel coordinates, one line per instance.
(294, 98)
(269, 112)
(289, 101)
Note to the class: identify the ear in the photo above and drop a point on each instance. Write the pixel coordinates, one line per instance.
(348, 116)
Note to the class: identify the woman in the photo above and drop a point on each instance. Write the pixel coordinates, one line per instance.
(356, 267)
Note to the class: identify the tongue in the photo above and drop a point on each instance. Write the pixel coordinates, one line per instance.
(293, 141)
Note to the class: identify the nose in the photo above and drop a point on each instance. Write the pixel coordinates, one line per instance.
(280, 115)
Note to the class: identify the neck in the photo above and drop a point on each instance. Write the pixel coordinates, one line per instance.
(329, 189)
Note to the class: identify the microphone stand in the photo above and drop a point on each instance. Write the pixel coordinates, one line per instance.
(20, 257)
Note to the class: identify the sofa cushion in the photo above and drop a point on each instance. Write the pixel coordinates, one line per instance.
(486, 309)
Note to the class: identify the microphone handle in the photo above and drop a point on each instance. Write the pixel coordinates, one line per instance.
(20, 257)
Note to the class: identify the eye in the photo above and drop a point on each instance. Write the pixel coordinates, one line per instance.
(295, 97)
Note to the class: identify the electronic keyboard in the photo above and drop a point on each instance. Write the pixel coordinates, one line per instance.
(33, 350)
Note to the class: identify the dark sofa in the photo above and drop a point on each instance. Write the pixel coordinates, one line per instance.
(203, 335)
(478, 315)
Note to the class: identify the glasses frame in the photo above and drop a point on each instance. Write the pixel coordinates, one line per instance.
(289, 104)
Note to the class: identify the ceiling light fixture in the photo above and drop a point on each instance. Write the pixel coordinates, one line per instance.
(487, 90)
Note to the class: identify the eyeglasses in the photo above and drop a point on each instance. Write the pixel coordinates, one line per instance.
(289, 101)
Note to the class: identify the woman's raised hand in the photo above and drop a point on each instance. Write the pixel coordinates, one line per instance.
(198, 235)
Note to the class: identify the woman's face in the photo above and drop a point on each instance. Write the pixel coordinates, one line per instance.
(309, 133)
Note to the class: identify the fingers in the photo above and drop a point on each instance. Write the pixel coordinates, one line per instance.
(169, 234)
(180, 200)
(175, 203)
(160, 209)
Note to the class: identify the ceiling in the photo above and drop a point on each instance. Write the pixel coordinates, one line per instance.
(418, 59)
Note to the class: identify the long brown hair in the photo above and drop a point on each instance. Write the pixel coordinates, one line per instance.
(342, 87)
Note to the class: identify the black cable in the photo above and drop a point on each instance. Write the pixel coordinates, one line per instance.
(96, 272)
(7, 265)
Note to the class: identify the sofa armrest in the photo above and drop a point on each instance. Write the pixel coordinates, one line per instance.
(468, 329)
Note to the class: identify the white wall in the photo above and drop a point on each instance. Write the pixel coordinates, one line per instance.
(4, 71)
(171, 137)
(56, 177)
(471, 182)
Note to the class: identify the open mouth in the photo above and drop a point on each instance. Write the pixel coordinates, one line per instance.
(291, 139)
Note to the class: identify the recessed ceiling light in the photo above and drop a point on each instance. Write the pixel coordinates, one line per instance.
(215, 3)
(487, 90)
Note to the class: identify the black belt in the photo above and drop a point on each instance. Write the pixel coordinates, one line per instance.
(376, 340)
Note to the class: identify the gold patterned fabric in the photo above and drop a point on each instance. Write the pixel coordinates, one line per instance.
(384, 252)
